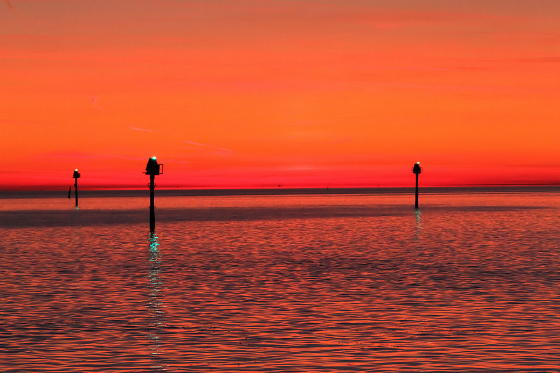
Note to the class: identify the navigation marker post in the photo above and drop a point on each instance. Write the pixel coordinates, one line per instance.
(76, 176)
(417, 170)
(153, 168)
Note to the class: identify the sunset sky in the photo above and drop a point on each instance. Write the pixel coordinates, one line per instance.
(260, 93)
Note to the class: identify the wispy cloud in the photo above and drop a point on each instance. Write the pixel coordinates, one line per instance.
(208, 147)
(84, 156)
(194, 143)
(542, 59)
(139, 129)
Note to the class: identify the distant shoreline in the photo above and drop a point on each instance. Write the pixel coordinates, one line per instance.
(279, 191)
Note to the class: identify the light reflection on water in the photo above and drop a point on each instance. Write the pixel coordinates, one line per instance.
(418, 215)
(155, 304)
(450, 290)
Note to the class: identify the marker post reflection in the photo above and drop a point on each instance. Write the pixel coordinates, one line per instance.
(155, 304)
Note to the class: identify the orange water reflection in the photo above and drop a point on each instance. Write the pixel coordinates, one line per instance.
(452, 290)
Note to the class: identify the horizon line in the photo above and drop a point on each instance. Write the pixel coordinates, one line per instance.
(100, 188)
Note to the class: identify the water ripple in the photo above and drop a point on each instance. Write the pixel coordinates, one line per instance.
(453, 290)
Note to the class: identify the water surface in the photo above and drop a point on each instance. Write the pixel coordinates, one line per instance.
(320, 283)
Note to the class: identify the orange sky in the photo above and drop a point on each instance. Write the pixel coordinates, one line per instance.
(280, 92)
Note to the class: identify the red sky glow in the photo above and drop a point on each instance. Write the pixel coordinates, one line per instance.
(260, 93)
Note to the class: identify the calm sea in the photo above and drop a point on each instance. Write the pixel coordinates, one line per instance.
(282, 283)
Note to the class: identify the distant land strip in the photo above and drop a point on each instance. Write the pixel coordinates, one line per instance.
(278, 191)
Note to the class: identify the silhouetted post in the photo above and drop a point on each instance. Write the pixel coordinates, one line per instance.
(153, 169)
(417, 170)
(76, 176)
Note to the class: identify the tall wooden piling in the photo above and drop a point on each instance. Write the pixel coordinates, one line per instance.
(153, 168)
(417, 170)
(152, 207)
(76, 176)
